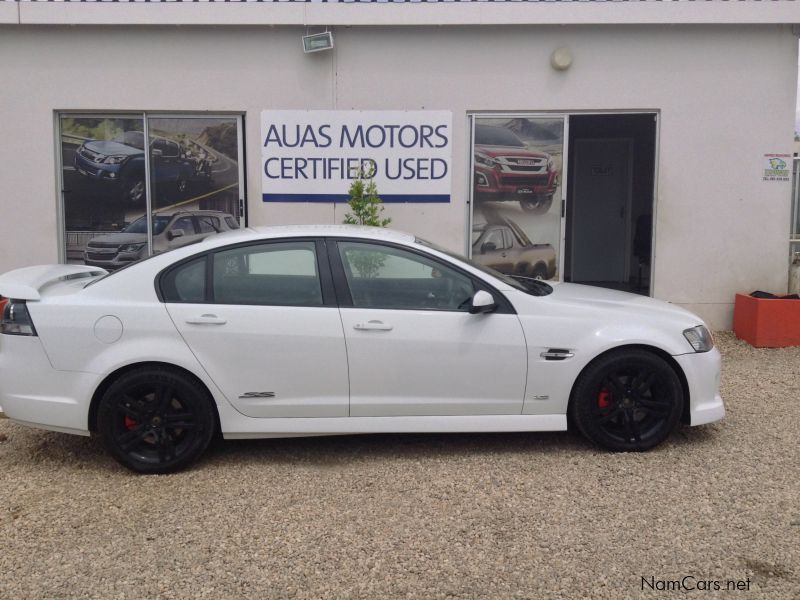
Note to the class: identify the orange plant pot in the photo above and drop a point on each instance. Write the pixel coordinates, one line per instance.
(767, 323)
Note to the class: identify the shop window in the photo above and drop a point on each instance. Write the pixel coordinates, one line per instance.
(195, 171)
(516, 195)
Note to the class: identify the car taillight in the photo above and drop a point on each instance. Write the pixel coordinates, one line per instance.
(16, 319)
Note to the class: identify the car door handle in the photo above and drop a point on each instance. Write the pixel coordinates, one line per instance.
(373, 326)
(206, 320)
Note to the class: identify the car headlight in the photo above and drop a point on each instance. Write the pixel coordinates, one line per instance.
(114, 160)
(482, 159)
(131, 247)
(551, 164)
(700, 338)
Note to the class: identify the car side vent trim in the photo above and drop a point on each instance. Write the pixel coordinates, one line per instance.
(557, 354)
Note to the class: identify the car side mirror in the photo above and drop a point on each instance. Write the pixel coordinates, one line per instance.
(175, 233)
(488, 247)
(482, 302)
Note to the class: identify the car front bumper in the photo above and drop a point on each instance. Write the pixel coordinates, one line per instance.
(494, 182)
(702, 370)
(99, 172)
(111, 260)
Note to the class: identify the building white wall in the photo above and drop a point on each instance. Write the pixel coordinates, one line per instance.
(725, 94)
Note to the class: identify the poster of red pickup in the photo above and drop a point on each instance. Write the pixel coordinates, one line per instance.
(516, 208)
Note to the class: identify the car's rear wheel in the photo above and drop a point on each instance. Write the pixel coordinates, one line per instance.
(627, 400)
(155, 420)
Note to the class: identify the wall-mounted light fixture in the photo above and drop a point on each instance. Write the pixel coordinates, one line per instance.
(317, 42)
(561, 59)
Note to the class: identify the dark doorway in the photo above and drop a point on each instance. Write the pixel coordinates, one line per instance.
(611, 169)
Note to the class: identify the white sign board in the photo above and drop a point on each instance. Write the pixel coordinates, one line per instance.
(313, 155)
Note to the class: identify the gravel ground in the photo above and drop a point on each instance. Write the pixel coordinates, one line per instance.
(421, 516)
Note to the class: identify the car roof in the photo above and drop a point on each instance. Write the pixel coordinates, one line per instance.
(167, 213)
(354, 231)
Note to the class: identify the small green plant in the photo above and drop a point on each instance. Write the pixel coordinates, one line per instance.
(365, 202)
(367, 207)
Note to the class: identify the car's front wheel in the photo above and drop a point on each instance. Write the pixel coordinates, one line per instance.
(134, 191)
(538, 205)
(156, 420)
(627, 400)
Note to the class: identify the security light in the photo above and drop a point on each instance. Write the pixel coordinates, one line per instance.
(317, 42)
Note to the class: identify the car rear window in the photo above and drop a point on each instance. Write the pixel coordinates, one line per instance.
(186, 282)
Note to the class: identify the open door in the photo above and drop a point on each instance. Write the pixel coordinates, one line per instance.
(610, 200)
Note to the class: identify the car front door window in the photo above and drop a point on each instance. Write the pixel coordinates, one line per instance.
(381, 276)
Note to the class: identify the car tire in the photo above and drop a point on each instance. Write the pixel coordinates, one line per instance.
(156, 420)
(627, 400)
(539, 272)
(134, 191)
(538, 205)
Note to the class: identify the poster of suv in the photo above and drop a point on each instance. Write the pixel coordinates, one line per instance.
(194, 168)
(516, 208)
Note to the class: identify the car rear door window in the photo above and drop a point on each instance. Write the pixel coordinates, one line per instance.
(381, 276)
(186, 282)
(208, 224)
(279, 274)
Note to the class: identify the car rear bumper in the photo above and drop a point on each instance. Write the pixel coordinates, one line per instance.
(702, 370)
(33, 393)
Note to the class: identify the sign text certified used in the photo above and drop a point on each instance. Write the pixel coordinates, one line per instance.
(312, 156)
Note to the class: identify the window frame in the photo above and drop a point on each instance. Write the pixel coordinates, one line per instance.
(345, 298)
(322, 262)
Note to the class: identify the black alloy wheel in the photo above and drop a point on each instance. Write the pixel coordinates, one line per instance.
(627, 400)
(154, 420)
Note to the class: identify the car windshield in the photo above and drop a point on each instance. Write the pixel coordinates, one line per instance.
(140, 225)
(529, 285)
(131, 138)
(489, 135)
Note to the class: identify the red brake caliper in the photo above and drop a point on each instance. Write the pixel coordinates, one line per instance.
(129, 423)
(604, 398)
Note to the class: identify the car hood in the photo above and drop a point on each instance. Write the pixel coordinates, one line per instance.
(599, 299)
(495, 151)
(120, 238)
(112, 148)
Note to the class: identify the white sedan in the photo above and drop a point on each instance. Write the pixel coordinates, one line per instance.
(309, 330)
